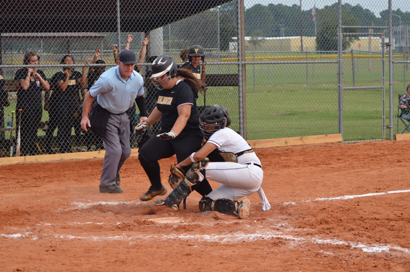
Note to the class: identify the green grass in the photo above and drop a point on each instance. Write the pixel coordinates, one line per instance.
(280, 104)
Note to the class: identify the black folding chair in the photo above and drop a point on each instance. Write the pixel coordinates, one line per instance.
(404, 116)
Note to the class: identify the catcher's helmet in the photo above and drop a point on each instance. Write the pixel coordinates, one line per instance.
(212, 119)
(163, 65)
(196, 50)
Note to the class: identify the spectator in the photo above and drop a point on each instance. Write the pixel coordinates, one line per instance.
(184, 57)
(29, 83)
(196, 54)
(92, 77)
(63, 104)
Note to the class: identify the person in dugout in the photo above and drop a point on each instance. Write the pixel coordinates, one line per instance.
(180, 134)
(93, 75)
(30, 82)
(63, 104)
(196, 54)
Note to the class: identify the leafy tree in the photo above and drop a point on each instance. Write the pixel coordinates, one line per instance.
(327, 39)
(256, 39)
(227, 30)
(259, 18)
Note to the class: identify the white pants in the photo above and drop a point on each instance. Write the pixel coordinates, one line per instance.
(238, 180)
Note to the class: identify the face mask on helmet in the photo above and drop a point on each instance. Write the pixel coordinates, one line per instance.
(159, 83)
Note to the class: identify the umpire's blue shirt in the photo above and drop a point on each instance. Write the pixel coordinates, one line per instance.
(115, 94)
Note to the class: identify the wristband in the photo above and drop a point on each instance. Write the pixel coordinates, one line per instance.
(192, 157)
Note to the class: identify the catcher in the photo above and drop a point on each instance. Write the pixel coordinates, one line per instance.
(241, 174)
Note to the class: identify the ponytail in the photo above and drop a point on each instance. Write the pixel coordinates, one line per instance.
(189, 78)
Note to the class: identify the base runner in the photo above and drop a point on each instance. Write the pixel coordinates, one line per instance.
(241, 174)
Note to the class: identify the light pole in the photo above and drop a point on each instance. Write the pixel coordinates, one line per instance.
(399, 26)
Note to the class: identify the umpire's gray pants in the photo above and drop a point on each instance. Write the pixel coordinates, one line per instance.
(117, 147)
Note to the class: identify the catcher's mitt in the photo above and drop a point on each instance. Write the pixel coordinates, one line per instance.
(177, 175)
(142, 137)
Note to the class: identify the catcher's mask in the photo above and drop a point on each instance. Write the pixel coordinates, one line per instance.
(212, 119)
(196, 50)
(161, 66)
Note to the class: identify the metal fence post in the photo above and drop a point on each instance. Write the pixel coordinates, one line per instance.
(383, 91)
(340, 69)
(119, 26)
(353, 70)
(307, 72)
(390, 71)
(254, 74)
(241, 68)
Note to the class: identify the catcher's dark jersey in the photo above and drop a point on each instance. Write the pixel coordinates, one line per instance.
(196, 71)
(168, 102)
(30, 98)
(68, 97)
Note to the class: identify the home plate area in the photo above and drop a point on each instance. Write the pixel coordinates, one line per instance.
(341, 207)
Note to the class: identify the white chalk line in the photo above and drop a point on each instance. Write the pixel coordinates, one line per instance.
(82, 205)
(350, 196)
(228, 238)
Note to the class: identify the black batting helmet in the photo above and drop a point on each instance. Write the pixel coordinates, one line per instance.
(212, 119)
(196, 50)
(163, 65)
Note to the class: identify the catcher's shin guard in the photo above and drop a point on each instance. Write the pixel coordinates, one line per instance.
(184, 188)
(226, 206)
(180, 192)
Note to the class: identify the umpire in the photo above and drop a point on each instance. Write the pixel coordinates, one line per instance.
(116, 90)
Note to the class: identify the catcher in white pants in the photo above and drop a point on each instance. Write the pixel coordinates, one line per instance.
(241, 173)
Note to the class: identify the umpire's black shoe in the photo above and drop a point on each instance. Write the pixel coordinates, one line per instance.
(151, 194)
(118, 180)
(112, 189)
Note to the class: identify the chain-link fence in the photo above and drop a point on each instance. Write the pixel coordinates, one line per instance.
(275, 66)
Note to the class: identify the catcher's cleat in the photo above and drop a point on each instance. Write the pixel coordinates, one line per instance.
(244, 207)
(226, 206)
(150, 194)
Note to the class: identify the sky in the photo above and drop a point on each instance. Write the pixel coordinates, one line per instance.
(376, 6)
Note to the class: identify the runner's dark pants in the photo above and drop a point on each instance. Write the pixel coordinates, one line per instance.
(182, 146)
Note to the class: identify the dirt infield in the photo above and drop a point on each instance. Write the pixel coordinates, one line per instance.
(335, 207)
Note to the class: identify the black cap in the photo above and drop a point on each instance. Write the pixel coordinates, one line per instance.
(127, 57)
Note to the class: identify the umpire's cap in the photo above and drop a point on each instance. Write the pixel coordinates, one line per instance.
(163, 65)
(196, 50)
(127, 57)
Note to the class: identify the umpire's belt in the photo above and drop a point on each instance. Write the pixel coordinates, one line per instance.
(252, 163)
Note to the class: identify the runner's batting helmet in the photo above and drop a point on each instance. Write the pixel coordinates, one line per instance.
(163, 65)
